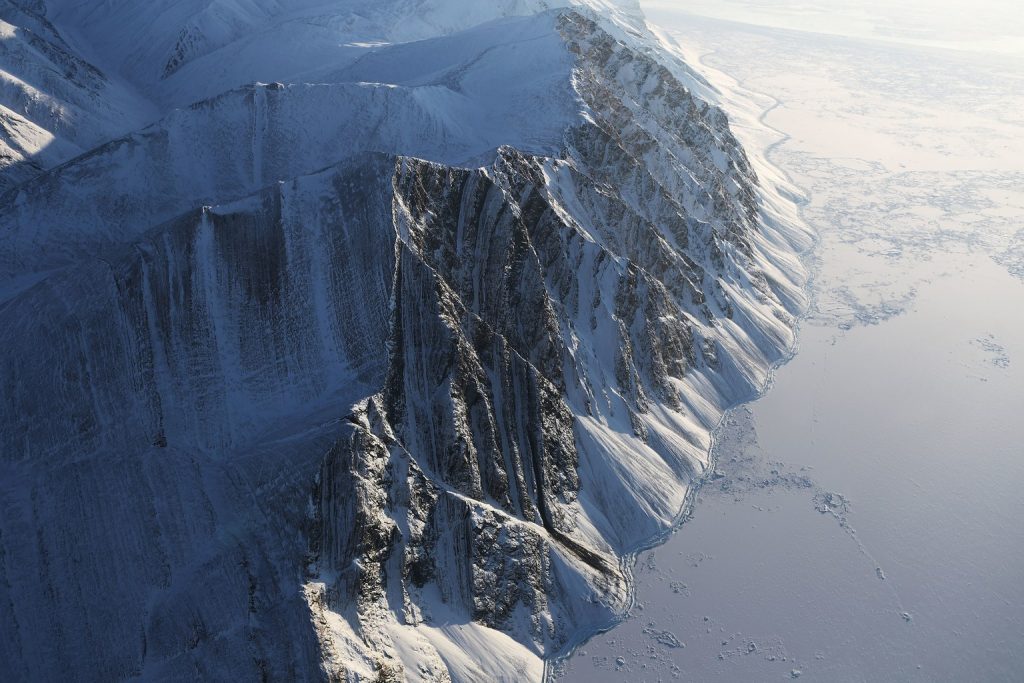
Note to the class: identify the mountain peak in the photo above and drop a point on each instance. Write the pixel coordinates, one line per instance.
(377, 371)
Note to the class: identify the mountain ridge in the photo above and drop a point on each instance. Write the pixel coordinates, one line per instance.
(409, 412)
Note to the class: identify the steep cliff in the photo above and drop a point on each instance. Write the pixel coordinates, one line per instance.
(400, 413)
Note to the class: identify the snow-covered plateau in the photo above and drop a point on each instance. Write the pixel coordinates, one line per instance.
(359, 340)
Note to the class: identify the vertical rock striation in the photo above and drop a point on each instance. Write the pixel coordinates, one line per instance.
(393, 418)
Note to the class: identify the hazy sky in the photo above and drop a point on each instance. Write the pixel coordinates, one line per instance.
(977, 25)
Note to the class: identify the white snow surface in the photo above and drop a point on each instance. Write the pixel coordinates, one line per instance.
(150, 43)
(355, 339)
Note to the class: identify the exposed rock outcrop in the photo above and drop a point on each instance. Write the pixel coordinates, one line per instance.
(392, 418)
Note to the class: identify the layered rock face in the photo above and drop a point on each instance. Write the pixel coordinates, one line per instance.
(396, 418)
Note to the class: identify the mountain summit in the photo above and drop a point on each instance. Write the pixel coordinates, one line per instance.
(357, 340)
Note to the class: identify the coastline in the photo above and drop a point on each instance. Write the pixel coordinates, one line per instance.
(913, 234)
(735, 98)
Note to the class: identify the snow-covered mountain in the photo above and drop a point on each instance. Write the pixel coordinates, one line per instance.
(376, 350)
(54, 104)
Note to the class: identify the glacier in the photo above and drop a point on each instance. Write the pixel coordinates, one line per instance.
(359, 340)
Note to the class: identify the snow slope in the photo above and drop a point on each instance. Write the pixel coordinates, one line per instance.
(379, 370)
(518, 92)
(163, 46)
(53, 104)
(74, 75)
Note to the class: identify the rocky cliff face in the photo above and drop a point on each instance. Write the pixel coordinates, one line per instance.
(395, 418)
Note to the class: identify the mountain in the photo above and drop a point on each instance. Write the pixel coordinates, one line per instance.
(379, 343)
(54, 104)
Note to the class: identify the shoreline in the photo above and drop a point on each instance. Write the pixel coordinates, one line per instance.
(917, 249)
(808, 258)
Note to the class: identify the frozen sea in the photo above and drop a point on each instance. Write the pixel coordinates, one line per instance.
(866, 518)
